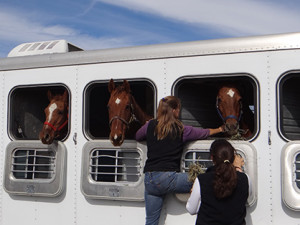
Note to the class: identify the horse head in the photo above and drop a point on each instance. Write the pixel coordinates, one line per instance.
(120, 111)
(229, 107)
(56, 117)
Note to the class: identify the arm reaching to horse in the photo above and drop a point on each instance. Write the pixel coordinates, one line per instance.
(189, 133)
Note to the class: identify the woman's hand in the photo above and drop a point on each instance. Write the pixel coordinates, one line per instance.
(238, 162)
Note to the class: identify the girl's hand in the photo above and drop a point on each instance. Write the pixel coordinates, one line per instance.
(238, 162)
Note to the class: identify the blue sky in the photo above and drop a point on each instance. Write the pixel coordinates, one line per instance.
(98, 24)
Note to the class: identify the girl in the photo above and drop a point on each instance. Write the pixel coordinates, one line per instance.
(165, 137)
(219, 196)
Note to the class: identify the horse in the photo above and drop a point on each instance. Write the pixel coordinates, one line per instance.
(123, 110)
(57, 115)
(237, 117)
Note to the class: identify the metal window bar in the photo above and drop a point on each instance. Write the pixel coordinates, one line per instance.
(115, 166)
(201, 157)
(297, 170)
(33, 164)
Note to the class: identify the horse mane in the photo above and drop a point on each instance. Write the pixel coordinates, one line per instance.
(138, 112)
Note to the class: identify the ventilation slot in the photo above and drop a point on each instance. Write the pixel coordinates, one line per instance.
(33, 164)
(297, 170)
(201, 157)
(115, 166)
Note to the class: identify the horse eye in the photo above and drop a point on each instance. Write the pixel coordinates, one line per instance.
(127, 107)
(60, 112)
(108, 107)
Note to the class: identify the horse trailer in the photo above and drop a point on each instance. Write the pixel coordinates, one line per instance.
(81, 178)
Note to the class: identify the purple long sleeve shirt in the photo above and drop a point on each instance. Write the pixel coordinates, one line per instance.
(189, 133)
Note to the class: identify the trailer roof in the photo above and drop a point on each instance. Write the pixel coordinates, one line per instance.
(183, 49)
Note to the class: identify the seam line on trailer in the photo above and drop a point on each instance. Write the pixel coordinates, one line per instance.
(270, 140)
(74, 106)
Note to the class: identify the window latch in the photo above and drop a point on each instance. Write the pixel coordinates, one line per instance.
(75, 138)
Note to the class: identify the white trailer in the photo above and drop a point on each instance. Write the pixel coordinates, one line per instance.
(73, 187)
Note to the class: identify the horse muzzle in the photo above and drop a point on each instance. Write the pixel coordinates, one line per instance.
(231, 127)
(46, 137)
(116, 139)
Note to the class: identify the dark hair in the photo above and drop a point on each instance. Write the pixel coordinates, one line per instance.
(168, 124)
(225, 179)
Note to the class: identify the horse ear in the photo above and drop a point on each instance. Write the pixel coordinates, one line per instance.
(49, 95)
(111, 85)
(126, 86)
(65, 96)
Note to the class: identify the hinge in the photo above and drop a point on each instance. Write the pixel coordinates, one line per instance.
(75, 138)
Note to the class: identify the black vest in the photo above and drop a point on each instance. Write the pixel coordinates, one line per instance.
(162, 155)
(227, 211)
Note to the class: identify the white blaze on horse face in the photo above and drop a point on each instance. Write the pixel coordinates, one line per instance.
(116, 137)
(231, 93)
(118, 101)
(52, 107)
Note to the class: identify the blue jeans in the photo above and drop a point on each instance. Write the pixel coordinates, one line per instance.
(157, 186)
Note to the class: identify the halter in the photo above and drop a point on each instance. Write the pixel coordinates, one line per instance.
(60, 127)
(230, 116)
(132, 118)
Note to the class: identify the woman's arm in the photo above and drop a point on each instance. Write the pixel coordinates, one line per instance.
(194, 201)
(193, 133)
(216, 130)
(142, 132)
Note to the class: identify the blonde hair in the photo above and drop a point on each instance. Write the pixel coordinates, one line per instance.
(168, 123)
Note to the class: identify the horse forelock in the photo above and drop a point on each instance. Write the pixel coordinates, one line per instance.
(119, 89)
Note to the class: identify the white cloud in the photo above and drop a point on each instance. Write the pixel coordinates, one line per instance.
(14, 30)
(232, 17)
(24, 30)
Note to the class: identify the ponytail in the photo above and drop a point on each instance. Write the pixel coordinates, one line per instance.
(225, 179)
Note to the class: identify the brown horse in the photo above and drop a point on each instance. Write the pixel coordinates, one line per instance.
(123, 110)
(237, 117)
(55, 125)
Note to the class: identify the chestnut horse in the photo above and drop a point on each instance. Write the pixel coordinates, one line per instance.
(122, 111)
(238, 119)
(55, 125)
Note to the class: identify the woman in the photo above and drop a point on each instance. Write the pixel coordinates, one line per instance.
(165, 137)
(219, 196)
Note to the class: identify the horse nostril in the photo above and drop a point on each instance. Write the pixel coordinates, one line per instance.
(47, 137)
(231, 126)
(118, 137)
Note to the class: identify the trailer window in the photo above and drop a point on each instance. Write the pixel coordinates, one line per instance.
(198, 153)
(33, 164)
(35, 169)
(199, 99)
(297, 170)
(115, 165)
(111, 172)
(96, 124)
(26, 111)
(288, 106)
(290, 171)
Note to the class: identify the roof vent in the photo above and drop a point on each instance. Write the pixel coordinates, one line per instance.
(45, 47)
